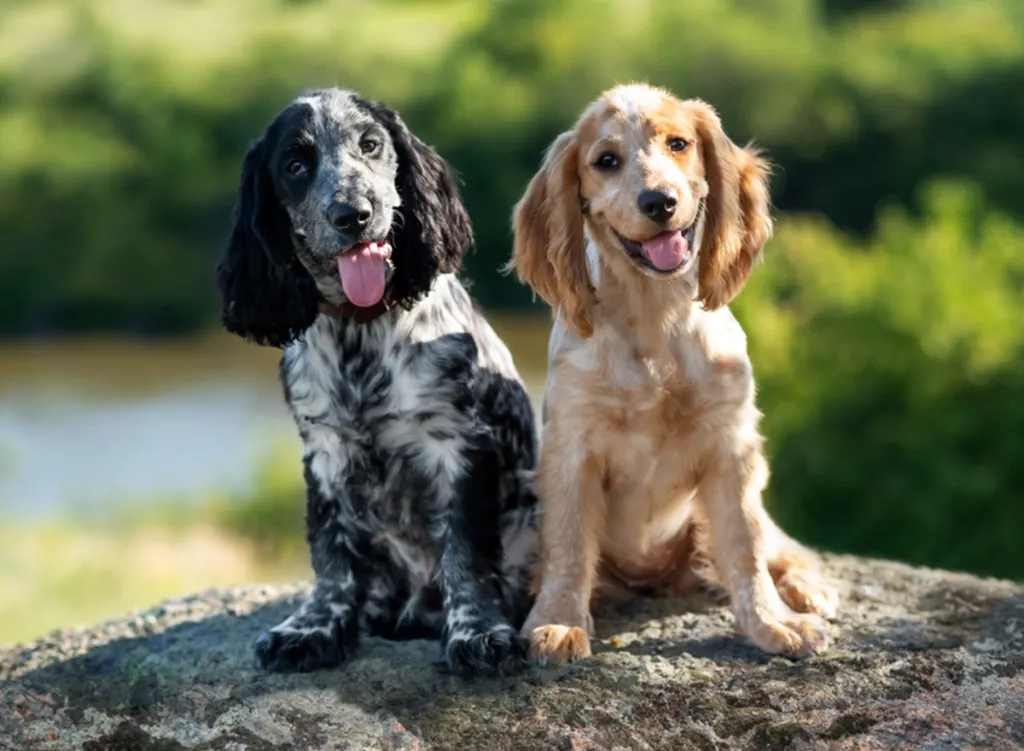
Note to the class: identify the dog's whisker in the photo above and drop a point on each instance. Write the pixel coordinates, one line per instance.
(397, 220)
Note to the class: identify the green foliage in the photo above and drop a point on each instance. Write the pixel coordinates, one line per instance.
(884, 324)
(271, 517)
(123, 126)
(890, 373)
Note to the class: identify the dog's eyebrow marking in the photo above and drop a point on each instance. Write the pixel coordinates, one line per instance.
(608, 143)
(299, 139)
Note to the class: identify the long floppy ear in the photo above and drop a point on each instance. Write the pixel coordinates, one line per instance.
(267, 296)
(550, 250)
(738, 220)
(434, 230)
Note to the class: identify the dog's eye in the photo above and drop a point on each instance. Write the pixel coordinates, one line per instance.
(368, 145)
(295, 167)
(677, 144)
(607, 161)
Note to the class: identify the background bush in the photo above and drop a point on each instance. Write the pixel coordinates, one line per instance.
(885, 323)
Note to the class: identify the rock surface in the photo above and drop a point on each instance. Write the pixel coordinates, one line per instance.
(921, 659)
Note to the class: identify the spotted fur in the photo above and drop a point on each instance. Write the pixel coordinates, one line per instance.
(418, 435)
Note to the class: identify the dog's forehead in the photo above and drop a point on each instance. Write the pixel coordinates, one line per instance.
(640, 109)
(636, 101)
(333, 112)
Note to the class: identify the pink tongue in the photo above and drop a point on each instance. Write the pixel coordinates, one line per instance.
(666, 251)
(362, 274)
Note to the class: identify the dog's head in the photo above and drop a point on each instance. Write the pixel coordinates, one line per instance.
(662, 191)
(339, 202)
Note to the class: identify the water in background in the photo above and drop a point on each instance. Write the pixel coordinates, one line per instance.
(87, 425)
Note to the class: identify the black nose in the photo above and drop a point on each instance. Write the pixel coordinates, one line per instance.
(350, 217)
(657, 205)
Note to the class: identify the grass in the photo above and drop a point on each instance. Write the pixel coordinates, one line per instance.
(56, 575)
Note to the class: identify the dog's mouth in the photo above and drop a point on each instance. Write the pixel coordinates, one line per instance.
(669, 253)
(362, 269)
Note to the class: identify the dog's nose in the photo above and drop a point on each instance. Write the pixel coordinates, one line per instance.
(657, 205)
(350, 217)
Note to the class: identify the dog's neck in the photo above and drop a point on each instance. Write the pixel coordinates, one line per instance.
(646, 311)
(347, 310)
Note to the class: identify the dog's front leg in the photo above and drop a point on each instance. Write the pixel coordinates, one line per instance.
(730, 497)
(572, 520)
(477, 635)
(323, 630)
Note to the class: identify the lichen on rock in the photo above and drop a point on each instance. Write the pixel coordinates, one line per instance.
(920, 659)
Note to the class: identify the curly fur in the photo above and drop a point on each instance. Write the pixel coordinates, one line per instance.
(652, 466)
(418, 436)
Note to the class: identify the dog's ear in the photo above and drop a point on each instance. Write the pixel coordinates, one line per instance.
(549, 253)
(267, 295)
(433, 231)
(738, 220)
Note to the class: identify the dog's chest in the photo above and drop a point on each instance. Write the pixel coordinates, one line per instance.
(667, 406)
(637, 421)
(382, 421)
(663, 418)
(643, 453)
(644, 416)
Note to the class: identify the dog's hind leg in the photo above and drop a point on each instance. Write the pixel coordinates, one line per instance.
(519, 544)
(797, 573)
(391, 611)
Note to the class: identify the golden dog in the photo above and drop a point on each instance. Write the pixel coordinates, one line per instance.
(643, 223)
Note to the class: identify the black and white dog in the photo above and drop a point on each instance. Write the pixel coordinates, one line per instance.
(419, 438)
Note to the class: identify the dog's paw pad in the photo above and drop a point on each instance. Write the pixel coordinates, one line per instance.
(500, 650)
(297, 651)
(807, 591)
(555, 644)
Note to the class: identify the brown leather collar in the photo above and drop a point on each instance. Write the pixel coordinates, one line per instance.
(357, 314)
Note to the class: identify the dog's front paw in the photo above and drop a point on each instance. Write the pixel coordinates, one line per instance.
(499, 650)
(796, 635)
(298, 651)
(806, 591)
(555, 644)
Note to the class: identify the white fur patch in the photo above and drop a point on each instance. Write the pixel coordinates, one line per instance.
(634, 99)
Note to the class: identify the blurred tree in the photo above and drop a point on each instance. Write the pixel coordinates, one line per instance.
(890, 373)
(884, 325)
(121, 131)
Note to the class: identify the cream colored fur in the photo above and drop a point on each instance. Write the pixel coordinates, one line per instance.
(652, 466)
